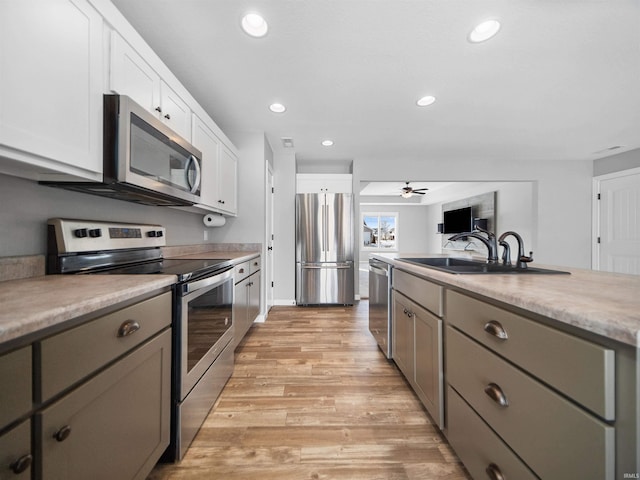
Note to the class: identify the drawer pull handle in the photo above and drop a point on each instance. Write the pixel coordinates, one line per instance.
(494, 472)
(128, 328)
(496, 329)
(62, 434)
(21, 464)
(495, 393)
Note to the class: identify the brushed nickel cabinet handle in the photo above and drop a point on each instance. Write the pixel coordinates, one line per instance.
(128, 328)
(21, 464)
(62, 434)
(494, 472)
(496, 329)
(495, 393)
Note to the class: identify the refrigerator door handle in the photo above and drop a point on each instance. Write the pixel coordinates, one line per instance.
(324, 226)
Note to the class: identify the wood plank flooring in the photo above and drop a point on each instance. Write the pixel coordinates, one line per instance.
(312, 397)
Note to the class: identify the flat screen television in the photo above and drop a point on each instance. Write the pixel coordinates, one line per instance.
(458, 221)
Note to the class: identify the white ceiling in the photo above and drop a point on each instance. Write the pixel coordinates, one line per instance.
(561, 80)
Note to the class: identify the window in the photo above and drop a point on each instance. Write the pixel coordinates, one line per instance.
(380, 231)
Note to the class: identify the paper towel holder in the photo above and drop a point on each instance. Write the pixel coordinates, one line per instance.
(213, 220)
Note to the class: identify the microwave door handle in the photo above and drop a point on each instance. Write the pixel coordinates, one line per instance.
(196, 183)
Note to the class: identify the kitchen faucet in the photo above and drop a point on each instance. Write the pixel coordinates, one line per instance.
(489, 241)
(506, 254)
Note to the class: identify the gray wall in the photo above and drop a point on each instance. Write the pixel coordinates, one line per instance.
(412, 227)
(617, 163)
(25, 207)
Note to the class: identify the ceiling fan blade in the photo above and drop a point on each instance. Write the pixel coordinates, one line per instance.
(418, 192)
(420, 189)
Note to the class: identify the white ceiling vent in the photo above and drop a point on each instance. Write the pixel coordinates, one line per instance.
(287, 142)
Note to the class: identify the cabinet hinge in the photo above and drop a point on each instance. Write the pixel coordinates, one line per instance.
(598, 197)
(598, 240)
(271, 284)
(273, 190)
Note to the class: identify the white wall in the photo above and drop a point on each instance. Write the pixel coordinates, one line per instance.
(284, 253)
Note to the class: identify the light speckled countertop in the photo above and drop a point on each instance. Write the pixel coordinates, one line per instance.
(33, 304)
(607, 304)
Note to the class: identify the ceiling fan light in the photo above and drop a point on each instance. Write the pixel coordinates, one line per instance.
(406, 194)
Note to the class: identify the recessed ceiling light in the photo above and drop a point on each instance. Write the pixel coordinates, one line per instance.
(254, 25)
(277, 108)
(484, 31)
(327, 143)
(426, 101)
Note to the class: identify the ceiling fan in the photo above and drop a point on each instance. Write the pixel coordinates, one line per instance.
(407, 191)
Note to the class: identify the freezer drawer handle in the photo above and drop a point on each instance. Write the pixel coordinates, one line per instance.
(496, 329)
(494, 472)
(128, 328)
(495, 393)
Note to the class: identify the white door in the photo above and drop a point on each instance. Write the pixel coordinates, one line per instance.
(269, 240)
(618, 223)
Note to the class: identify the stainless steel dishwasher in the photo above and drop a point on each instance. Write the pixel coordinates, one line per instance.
(379, 304)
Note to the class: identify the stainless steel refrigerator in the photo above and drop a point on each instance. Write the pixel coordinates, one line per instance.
(324, 249)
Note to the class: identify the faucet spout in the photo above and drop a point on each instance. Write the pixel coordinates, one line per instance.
(506, 257)
(489, 241)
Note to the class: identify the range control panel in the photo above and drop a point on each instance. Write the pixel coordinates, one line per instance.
(75, 236)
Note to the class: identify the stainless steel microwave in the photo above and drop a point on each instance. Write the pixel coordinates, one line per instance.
(144, 161)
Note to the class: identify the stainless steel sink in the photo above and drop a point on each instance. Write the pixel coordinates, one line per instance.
(460, 265)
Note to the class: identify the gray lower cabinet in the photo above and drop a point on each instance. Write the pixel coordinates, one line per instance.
(417, 339)
(246, 302)
(526, 399)
(113, 426)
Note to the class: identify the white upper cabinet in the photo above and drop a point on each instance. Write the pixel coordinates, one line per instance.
(228, 179)
(207, 142)
(219, 170)
(324, 183)
(131, 75)
(51, 86)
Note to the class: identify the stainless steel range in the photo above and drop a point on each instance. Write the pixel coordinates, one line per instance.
(202, 307)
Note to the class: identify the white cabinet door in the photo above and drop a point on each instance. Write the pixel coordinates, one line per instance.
(207, 142)
(51, 87)
(324, 183)
(228, 178)
(131, 75)
(175, 112)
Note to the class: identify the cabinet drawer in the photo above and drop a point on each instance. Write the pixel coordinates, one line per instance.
(75, 354)
(478, 446)
(554, 437)
(15, 381)
(241, 271)
(423, 292)
(580, 369)
(254, 265)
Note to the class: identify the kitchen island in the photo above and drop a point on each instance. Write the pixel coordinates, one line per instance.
(536, 376)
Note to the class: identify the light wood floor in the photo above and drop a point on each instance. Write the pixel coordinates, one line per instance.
(312, 397)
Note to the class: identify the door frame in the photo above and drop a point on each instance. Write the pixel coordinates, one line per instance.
(595, 210)
(269, 238)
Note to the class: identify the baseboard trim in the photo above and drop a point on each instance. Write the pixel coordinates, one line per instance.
(284, 302)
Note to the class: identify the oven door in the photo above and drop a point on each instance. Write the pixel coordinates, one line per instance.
(205, 325)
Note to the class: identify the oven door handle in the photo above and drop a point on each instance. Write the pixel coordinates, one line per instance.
(211, 281)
